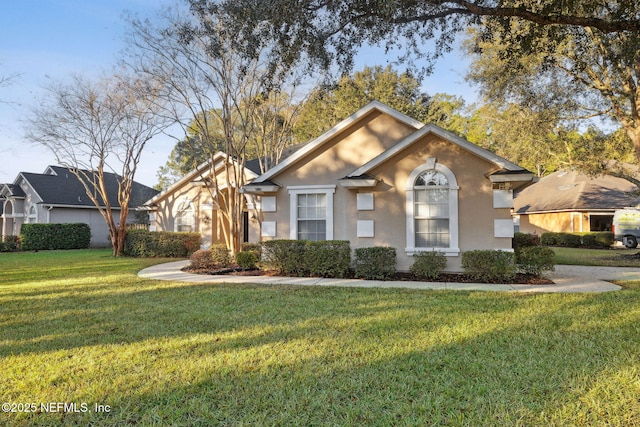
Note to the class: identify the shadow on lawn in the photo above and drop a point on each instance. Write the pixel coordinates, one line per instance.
(349, 356)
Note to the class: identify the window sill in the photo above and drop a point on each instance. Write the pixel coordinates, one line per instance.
(445, 251)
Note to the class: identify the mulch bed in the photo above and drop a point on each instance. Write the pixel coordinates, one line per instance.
(519, 279)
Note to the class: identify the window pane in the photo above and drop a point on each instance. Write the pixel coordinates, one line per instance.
(312, 230)
(432, 233)
(312, 215)
(431, 178)
(431, 210)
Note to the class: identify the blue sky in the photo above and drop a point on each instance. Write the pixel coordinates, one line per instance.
(42, 41)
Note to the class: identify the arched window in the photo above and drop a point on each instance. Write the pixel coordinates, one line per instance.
(432, 209)
(32, 216)
(185, 217)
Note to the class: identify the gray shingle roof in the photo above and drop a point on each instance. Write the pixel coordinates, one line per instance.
(572, 190)
(61, 187)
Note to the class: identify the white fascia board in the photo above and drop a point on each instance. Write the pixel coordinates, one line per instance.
(449, 136)
(313, 144)
(524, 176)
(203, 170)
(24, 178)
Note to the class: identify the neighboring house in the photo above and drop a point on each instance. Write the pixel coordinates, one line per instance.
(57, 196)
(381, 178)
(571, 201)
(188, 205)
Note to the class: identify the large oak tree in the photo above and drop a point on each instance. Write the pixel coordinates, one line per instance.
(595, 44)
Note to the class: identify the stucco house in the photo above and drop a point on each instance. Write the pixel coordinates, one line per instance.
(381, 178)
(189, 206)
(571, 201)
(57, 196)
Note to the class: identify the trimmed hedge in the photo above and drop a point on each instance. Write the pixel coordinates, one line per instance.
(602, 239)
(326, 258)
(220, 255)
(247, 259)
(597, 239)
(252, 247)
(524, 240)
(428, 265)
(284, 256)
(10, 244)
(535, 260)
(162, 244)
(35, 237)
(202, 259)
(376, 263)
(489, 265)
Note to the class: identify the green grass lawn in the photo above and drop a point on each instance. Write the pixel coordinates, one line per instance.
(79, 327)
(600, 257)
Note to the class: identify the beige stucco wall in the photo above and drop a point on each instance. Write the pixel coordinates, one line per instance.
(556, 222)
(164, 218)
(344, 155)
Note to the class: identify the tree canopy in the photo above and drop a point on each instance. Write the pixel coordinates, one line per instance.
(326, 32)
(549, 50)
(329, 103)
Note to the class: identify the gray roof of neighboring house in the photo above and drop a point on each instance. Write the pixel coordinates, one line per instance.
(14, 190)
(61, 187)
(576, 191)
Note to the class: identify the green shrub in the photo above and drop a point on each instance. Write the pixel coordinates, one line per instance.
(10, 244)
(55, 236)
(597, 239)
(327, 258)
(284, 256)
(570, 240)
(428, 265)
(143, 243)
(549, 239)
(567, 240)
(535, 260)
(489, 265)
(523, 240)
(202, 259)
(220, 255)
(252, 247)
(247, 259)
(577, 240)
(377, 262)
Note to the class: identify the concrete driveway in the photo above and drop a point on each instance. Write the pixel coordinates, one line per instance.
(566, 278)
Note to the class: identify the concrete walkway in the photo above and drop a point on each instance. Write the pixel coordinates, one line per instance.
(567, 279)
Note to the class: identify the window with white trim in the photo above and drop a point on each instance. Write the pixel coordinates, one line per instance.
(312, 217)
(185, 218)
(432, 209)
(32, 216)
(311, 212)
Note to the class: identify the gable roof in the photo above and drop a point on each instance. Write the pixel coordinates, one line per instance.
(202, 171)
(344, 124)
(12, 190)
(444, 134)
(571, 191)
(60, 187)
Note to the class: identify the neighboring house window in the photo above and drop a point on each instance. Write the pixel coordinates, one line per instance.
(32, 215)
(311, 212)
(432, 209)
(185, 218)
